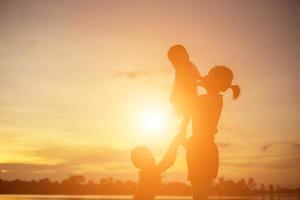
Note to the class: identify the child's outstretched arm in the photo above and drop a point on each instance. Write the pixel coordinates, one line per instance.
(170, 156)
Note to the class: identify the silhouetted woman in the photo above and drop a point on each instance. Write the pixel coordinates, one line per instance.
(202, 153)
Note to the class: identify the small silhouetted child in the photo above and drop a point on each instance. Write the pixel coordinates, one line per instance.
(150, 172)
(185, 84)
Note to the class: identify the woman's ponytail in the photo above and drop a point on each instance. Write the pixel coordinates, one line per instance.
(236, 91)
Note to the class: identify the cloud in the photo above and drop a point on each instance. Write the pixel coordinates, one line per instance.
(281, 162)
(131, 74)
(31, 171)
(135, 74)
(266, 147)
(293, 145)
(225, 144)
(60, 161)
(82, 154)
(276, 155)
(27, 171)
(98, 161)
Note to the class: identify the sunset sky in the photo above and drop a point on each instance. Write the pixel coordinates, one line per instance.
(83, 82)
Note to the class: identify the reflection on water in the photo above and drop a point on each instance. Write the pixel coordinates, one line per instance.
(121, 197)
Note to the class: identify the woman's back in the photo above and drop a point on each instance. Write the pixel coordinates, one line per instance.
(202, 153)
(206, 114)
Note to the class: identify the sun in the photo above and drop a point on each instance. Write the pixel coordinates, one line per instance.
(153, 121)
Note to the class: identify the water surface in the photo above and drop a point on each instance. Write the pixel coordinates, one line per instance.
(125, 197)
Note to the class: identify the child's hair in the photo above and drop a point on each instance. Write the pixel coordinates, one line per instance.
(236, 91)
(142, 157)
(178, 52)
(220, 78)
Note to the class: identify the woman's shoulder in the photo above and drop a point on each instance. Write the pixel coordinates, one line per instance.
(206, 98)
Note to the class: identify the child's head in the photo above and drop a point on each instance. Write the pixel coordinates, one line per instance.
(178, 55)
(142, 157)
(219, 79)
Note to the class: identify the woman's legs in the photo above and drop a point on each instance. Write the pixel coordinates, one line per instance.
(200, 189)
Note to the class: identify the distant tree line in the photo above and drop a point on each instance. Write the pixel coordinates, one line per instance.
(78, 185)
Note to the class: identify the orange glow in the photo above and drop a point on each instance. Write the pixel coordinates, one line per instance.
(82, 80)
(153, 121)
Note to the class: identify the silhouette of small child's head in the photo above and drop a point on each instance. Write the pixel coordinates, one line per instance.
(219, 79)
(178, 55)
(142, 157)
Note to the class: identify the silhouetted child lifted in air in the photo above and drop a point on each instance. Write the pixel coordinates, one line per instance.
(185, 83)
(150, 172)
